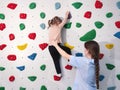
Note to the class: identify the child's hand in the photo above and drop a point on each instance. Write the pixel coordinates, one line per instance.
(67, 13)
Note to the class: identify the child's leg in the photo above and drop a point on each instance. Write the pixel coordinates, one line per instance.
(56, 58)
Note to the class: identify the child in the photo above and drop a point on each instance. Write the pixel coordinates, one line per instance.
(55, 27)
(87, 74)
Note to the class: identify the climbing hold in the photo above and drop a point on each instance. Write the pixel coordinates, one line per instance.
(57, 78)
(117, 35)
(89, 35)
(69, 88)
(117, 24)
(2, 16)
(2, 68)
(99, 24)
(101, 55)
(22, 26)
(32, 56)
(2, 26)
(78, 25)
(110, 66)
(77, 5)
(2, 88)
(118, 4)
(43, 46)
(11, 36)
(32, 36)
(32, 5)
(118, 76)
(12, 6)
(98, 4)
(109, 14)
(68, 45)
(68, 67)
(68, 25)
(11, 78)
(42, 25)
(32, 78)
(109, 46)
(79, 54)
(43, 87)
(22, 47)
(23, 15)
(42, 15)
(57, 5)
(21, 68)
(11, 57)
(22, 88)
(88, 14)
(43, 67)
(101, 77)
(2, 46)
(111, 88)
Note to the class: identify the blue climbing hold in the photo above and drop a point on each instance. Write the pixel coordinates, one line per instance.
(42, 25)
(101, 77)
(32, 56)
(57, 5)
(21, 68)
(111, 88)
(79, 54)
(118, 4)
(117, 35)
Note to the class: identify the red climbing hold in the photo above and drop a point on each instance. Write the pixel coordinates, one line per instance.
(57, 78)
(23, 15)
(69, 67)
(2, 26)
(32, 35)
(11, 36)
(101, 55)
(11, 78)
(2, 46)
(12, 6)
(117, 24)
(43, 45)
(87, 14)
(11, 57)
(98, 4)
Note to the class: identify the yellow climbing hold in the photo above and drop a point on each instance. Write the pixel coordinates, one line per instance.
(68, 45)
(22, 47)
(109, 46)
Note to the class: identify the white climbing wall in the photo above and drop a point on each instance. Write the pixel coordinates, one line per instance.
(25, 62)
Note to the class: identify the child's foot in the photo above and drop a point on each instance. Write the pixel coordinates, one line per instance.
(57, 78)
(69, 67)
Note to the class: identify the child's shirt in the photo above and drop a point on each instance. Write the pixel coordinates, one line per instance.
(85, 74)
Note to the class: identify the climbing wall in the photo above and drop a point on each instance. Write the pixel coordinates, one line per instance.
(25, 62)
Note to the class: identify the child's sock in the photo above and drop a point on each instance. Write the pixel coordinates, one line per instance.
(69, 67)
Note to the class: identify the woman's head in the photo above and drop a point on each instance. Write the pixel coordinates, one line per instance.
(93, 49)
(55, 21)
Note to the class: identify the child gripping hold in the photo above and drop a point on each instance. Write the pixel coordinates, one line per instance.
(56, 25)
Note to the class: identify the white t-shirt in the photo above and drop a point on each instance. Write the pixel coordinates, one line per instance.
(85, 73)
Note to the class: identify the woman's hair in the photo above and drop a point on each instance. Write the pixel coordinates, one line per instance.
(94, 49)
(54, 21)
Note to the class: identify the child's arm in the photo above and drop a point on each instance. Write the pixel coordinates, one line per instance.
(65, 19)
(61, 51)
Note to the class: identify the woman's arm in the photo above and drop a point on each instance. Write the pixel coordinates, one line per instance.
(61, 51)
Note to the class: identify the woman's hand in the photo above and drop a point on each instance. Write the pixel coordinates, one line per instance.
(54, 42)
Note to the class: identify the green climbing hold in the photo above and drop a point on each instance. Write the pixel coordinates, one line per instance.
(118, 76)
(32, 78)
(99, 24)
(110, 66)
(69, 88)
(32, 5)
(42, 15)
(109, 14)
(43, 67)
(2, 68)
(43, 87)
(68, 25)
(2, 88)
(22, 88)
(77, 5)
(89, 35)
(78, 25)
(2, 16)
(22, 26)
